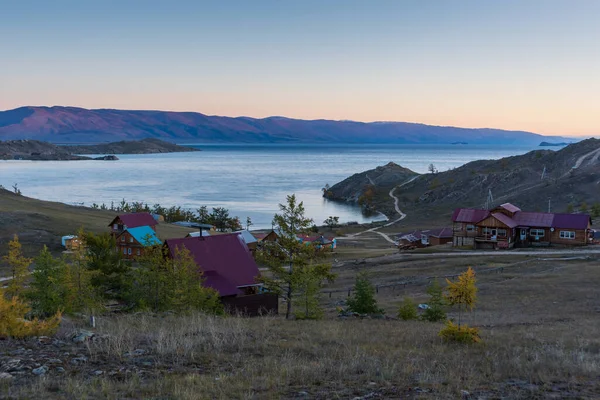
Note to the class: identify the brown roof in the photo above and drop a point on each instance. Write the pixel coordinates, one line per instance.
(505, 219)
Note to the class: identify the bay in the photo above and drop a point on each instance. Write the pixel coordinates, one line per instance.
(249, 180)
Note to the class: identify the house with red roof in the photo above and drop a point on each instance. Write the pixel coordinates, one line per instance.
(123, 222)
(228, 267)
(507, 226)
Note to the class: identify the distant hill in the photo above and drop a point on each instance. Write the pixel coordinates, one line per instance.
(570, 181)
(78, 125)
(43, 151)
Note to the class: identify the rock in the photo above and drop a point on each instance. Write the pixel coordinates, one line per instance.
(97, 373)
(45, 340)
(60, 370)
(54, 361)
(13, 365)
(40, 370)
(81, 336)
(136, 353)
(303, 393)
(6, 377)
(79, 360)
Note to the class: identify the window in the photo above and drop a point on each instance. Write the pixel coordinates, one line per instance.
(502, 232)
(122, 238)
(470, 228)
(489, 231)
(138, 252)
(116, 226)
(131, 239)
(536, 232)
(124, 250)
(129, 251)
(567, 235)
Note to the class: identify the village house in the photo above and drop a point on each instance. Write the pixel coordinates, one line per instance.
(132, 241)
(228, 267)
(506, 226)
(132, 220)
(249, 239)
(320, 241)
(425, 237)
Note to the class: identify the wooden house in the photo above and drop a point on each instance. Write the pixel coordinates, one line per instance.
(71, 242)
(424, 238)
(132, 220)
(228, 267)
(506, 226)
(132, 241)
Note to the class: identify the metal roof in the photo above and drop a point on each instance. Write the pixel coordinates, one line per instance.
(197, 234)
(505, 219)
(144, 235)
(133, 220)
(534, 219)
(247, 236)
(469, 215)
(572, 221)
(510, 207)
(224, 259)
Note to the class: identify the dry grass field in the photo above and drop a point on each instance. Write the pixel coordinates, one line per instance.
(539, 319)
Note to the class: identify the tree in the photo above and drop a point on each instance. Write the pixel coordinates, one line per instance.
(408, 310)
(570, 208)
(432, 169)
(363, 300)
(13, 322)
(296, 269)
(331, 221)
(327, 193)
(583, 207)
(462, 292)
(19, 268)
(49, 291)
(248, 223)
(309, 284)
(82, 295)
(436, 306)
(203, 215)
(16, 190)
(112, 273)
(220, 217)
(164, 283)
(595, 211)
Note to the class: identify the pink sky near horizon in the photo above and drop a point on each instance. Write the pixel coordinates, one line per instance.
(514, 65)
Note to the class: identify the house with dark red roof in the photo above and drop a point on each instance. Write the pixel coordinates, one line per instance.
(506, 226)
(123, 222)
(228, 267)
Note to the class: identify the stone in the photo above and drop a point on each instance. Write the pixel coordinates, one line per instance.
(6, 377)
(13, 365)
(82, 336)
(54, 361)
(45, 340)
(79, 360)
(40, 370)
(97, 373)
(60, 370)
(135, 353)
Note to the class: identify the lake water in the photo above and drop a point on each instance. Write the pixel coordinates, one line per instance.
(249, 180)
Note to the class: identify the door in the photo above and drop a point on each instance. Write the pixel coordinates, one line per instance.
(523, 235)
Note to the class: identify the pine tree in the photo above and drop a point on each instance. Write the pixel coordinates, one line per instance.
(408, 310)
(18, 265)
(49, 291)
(363, 300)
(436, 306)
(295, 268)
(112, 273)
(82, 295)
(309, 284)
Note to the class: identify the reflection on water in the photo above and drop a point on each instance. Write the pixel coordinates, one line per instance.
(249, 180)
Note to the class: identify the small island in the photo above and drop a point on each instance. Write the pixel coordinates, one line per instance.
(549, 144)
(34, 150)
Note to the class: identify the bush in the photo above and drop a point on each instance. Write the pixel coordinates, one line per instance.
(363, 301)
(436, 310)
(462, 334)
(14, 325)
(408, 309)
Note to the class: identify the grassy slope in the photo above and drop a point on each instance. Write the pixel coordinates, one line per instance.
(539, 326)
(39, 223)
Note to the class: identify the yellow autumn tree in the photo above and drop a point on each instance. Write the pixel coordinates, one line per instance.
(18, 265)
(14, 325)
(81, 294)
(462, 293)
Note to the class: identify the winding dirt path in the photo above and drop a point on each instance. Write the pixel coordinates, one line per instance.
(580, 160)
(376, 229)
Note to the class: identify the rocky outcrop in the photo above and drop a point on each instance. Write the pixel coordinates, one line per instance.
(351, 189)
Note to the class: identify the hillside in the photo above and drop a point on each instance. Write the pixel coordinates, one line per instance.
(41, 223)
(42, 151)
(78, 125)
(571, 180)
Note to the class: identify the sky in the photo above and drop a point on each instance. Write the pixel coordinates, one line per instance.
(512, 64)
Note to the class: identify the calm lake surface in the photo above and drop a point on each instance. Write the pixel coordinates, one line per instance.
(250, 180)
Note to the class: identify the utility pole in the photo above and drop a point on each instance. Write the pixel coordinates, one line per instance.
(544, 173)
(549, 205)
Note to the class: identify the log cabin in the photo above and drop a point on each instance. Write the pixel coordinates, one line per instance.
(507, 226)
(132, 220)
(132, 241)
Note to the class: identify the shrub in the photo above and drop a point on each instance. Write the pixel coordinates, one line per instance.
(436, 310)
(462, 334)
(13, 323)
(363, 301)
(408, 309)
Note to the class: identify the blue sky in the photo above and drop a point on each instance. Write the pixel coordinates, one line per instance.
(513, 64)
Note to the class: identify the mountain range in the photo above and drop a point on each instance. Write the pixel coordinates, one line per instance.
(79, 125)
